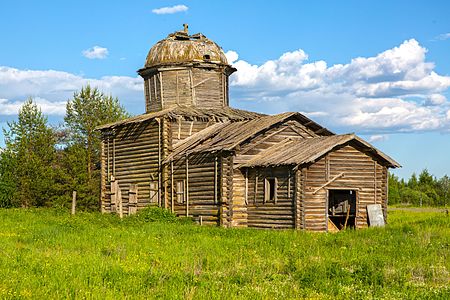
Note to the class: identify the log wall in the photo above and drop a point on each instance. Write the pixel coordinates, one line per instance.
(361, 173)
(206, 88)
(278, 213)
(200, 178)
(181, 128)
(131, 156)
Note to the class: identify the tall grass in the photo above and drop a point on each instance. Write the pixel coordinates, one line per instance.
(50, 254)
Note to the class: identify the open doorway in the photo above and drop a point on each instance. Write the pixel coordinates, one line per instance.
(342, 208)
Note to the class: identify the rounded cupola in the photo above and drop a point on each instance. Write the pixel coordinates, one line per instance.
(186, 70)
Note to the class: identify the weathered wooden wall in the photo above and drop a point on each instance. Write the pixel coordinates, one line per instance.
(361, 173)
(181, 128)
(278, 213)
(202, 87)
(201, 198)
(131, 156)
(257, 214)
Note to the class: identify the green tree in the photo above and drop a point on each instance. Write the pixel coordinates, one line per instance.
(87, 109)
(28, 159)
(7, 182)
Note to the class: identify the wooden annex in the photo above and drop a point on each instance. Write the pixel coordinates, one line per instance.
(195, 155)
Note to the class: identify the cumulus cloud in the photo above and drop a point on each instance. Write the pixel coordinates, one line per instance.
(170, 9)
(95, 52)
(51, 89)
(394, 91)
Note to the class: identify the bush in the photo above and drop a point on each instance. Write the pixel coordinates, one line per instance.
(155, 214)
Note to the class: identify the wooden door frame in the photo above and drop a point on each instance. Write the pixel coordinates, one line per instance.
(357, 191)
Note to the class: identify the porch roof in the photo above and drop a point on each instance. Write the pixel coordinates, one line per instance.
(303, 151)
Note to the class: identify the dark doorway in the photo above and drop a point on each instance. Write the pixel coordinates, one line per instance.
(342, 208)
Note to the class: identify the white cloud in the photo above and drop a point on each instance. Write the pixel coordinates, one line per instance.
(394, 91)
(232, 56)
(377, 138)
(170, 9)
(442, 37)
(51, 90)
(95, 52)
(435, 99)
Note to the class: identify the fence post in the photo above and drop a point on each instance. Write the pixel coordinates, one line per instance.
(74, 201)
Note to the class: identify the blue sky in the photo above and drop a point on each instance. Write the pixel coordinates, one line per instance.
(377, 68)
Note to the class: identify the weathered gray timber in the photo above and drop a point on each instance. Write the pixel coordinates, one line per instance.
(193, 154)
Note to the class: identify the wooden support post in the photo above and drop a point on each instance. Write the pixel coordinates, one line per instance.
(176, 90)
(159, 162)
(172, 204)
(107, 160)
(114, 157)
(154, 88)
(149, 91)
(190, 128)
(119, 200)
(187, 186)
(161, 88)
(215, 179)
(113, 194)
(192, 87)
(179, 128)
(256, 188)
(375, 182)
(74, 201)
(289, 184)
(246, 187)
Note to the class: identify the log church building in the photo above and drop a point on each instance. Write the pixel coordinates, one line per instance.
(192, 153)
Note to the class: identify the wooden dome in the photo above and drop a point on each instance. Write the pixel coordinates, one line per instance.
(180, 48)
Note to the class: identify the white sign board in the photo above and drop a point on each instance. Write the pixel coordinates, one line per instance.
(375, 215)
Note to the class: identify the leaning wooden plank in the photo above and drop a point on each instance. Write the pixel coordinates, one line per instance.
(328, 182)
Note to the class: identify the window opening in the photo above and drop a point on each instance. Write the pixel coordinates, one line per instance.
(270, 190)
(179, 191)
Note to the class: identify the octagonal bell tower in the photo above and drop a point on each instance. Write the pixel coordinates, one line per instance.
(185, 70)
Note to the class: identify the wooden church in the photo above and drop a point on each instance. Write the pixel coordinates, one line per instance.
(194, 154)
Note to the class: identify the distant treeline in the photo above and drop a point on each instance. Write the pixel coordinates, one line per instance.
(41, 165)
(422, 190)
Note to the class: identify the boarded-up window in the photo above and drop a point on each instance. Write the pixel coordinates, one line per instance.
(179, 190)
(270, 189)
(153, 192)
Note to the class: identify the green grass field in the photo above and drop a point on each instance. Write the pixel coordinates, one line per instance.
(48, 254)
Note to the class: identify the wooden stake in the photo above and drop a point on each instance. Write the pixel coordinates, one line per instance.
(346, 218)
(74, 201)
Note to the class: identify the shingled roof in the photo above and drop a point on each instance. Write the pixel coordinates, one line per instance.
(226, 136)
(222, 114)
(303, 151)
